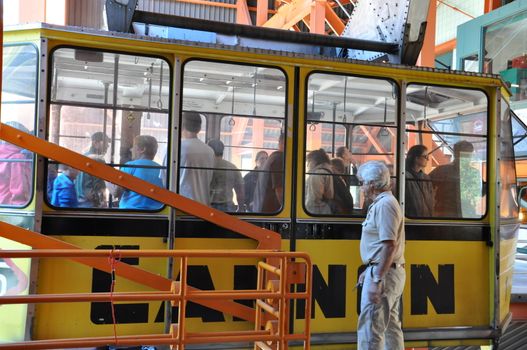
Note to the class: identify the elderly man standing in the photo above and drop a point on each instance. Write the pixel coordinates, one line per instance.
(382, 250)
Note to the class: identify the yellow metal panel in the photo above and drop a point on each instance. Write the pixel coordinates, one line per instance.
(469, 259)
(63, 320)
(13, 317)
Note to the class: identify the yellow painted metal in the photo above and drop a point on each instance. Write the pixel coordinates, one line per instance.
(473, 261)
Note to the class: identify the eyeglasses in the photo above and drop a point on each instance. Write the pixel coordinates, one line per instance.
(425, 156)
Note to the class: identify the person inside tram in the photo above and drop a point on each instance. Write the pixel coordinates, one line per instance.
(319, 183)
(342, 202)
(91, 189)
(457, 185)
(64, 194)
(345, 154)
(196, 161)
(226, 178)
(250, 179)
(269, 192)
(15, 171)
(142, 166)
(419, 194)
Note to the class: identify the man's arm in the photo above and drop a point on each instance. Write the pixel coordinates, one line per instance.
(379, 271)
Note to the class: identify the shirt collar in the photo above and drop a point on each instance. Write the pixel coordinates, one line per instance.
(381, 195)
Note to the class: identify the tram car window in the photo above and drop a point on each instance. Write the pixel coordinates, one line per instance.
(509, 190)
(244, 109)
(18, 111)
(446, 160)
(349, 120)
(113, 108)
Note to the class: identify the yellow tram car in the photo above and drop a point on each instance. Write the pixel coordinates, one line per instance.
(67, 84)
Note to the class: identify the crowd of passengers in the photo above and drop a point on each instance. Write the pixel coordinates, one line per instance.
(208, 178)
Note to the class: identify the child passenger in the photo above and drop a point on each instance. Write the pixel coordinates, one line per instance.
(143, 167)
(64, 194)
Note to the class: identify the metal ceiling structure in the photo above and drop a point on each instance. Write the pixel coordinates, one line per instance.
(370, 30)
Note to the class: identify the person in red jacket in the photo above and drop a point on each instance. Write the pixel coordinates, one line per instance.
(15, 172)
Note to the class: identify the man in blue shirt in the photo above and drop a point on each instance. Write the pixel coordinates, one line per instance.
(143, 167)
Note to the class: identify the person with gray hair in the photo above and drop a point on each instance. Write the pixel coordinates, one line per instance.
(382, 251)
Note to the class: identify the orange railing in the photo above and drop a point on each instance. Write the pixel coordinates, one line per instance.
(272, 296)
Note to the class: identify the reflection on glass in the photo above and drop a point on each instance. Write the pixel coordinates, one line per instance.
(225, 183)
(244, 108)
(508, 191)
(234, 89)
(18, 111)
(353, 120)
(446, 163)
(86, 118)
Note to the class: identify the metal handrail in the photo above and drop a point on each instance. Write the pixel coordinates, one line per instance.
(293, 268)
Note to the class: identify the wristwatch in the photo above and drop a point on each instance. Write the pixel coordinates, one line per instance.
(377, 279)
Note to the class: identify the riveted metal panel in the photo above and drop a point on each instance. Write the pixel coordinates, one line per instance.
(171, 7)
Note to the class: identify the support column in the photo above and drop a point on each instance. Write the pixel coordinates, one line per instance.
(317, 18)
(427, 56)
(491, 5)
(261, 11)
(242, 13)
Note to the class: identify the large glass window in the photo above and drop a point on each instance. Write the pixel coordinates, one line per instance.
(446, 161)
(509, 193)
(113, 108)
(19, 93)
(240, 109)
(505, 54)
(349, 120)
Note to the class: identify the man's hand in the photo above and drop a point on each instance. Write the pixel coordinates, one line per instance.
(375, 292)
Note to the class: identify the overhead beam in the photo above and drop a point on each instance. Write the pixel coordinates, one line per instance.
(264, 33)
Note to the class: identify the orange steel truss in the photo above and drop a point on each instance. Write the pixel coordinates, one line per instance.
(272, 297)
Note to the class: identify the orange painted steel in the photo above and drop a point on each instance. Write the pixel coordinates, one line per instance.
(491, 5)
(333, 20)
(266, 239)
(180, 294)
(447, 46)
(317, 18)
(242, 13)
(427, 56)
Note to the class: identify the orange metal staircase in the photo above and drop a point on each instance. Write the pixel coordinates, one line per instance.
(280, 264)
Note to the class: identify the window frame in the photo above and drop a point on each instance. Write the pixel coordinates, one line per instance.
(284, 121)
(169, 111)
(35, 120)
(395, 126)
(483, 136)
